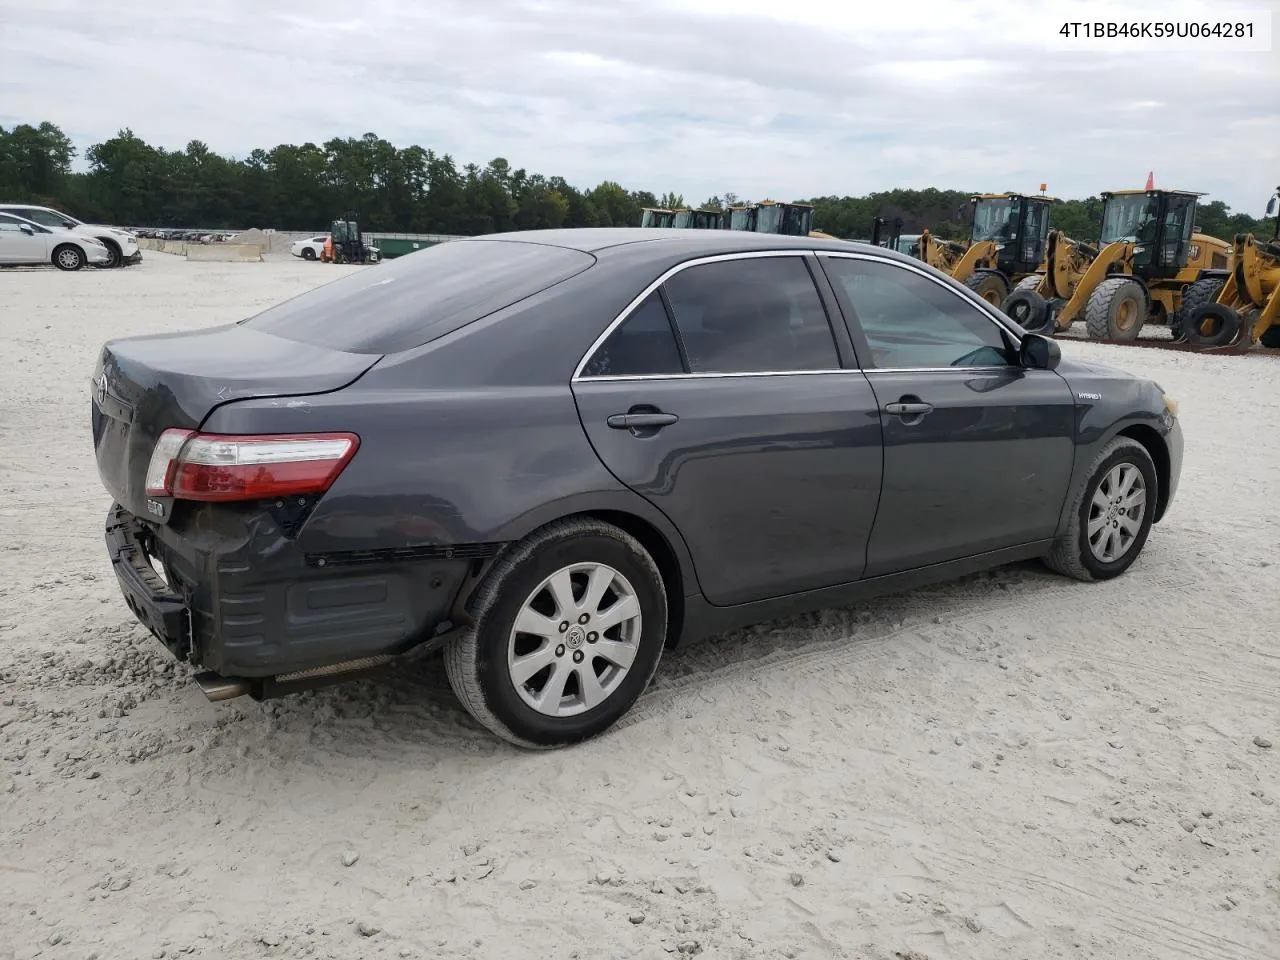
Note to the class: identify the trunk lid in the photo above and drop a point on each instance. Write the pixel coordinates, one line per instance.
(143, 385)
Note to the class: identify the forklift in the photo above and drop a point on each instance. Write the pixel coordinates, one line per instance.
(346, 243)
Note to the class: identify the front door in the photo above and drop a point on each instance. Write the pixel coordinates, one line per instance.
(722, 399)
(19, 247)
(978, 451)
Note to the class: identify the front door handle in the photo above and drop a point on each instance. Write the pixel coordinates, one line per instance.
(641, 421)
(908, 409)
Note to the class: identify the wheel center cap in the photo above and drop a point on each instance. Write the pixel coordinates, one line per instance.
(575, 637)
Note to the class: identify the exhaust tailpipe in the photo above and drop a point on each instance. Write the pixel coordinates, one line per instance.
(217, 688)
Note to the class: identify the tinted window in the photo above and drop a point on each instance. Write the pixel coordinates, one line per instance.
(752, 315)
(411, 300)
(911, 321)
(643, 344)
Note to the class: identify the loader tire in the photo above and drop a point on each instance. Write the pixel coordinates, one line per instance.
(1028, 310)
(1271, 337)
(1116, 310)
(1212, 325)
(1193, 295)
(989, 285)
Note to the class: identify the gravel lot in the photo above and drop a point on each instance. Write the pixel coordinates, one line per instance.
(1013, 765)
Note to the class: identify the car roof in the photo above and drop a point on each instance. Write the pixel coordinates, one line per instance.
(646, 243)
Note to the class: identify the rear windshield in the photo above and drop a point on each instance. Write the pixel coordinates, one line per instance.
(408, 301)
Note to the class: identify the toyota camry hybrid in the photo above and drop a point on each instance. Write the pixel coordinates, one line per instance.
(553, 454)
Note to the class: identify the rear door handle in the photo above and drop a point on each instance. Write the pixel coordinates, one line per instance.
(904, 409)
(641, 421)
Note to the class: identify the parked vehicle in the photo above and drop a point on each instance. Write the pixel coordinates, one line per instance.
(121, 244)
(552, 454)
(23, 243)
(309, 249)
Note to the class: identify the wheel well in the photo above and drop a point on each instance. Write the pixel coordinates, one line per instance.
(652, 540)
(110, 244)
(1154, 444)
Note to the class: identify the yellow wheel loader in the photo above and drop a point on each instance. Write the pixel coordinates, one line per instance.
(1007, 241)
(1149, 253)
(770, 216)
(1241, 304)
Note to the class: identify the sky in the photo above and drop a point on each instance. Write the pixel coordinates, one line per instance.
(764, 98)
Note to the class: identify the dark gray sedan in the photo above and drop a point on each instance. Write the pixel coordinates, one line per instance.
(555, 453)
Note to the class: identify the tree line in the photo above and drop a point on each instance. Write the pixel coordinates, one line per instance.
(416, 190)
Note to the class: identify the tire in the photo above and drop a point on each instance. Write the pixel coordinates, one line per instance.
(117, 258)
(308, 253)
(989, 285)
(1271, 337)
(1194, 295)
(1212, 325)
(69, 257)
(1116, 310)
(1073, 555)
(477, 662)
(1029, 310)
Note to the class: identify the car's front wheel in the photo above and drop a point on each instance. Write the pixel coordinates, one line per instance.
(69, 257)
(1111, 515)
(569, 627)
(308, 253)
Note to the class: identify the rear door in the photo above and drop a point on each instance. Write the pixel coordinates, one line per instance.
(724, 397)
(978, 451)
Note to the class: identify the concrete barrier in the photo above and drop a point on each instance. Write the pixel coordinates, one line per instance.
(225, 252)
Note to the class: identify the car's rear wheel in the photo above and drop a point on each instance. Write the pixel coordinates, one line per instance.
(569, 628)
(1111, 515)
(68, 257)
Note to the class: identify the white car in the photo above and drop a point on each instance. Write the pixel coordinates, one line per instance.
(23, 242)
(309, 249)
(121, 244)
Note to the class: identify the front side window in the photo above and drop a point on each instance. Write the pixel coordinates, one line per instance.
(9, 224)
(995, 220)
(1131, 217)
(48, 218)
(757, 314)
(912, 322)
(642, 345)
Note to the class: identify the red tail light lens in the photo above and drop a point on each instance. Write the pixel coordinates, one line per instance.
(212, 467)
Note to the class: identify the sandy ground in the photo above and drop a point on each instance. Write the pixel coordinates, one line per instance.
(1013, 765)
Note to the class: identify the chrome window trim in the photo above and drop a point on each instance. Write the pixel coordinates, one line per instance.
(984, 309)
(667, 275)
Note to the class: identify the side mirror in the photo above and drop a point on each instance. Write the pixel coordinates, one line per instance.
(26, 228)
(1039, 352)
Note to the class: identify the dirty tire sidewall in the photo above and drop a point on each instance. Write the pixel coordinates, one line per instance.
(989, 285)
(1103, 310)
(476, 662)
(1193, 295)
(1227, 326)
(1027, 309)
(1071, 555)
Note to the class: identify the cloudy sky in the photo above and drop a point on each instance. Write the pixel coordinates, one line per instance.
(780, 98)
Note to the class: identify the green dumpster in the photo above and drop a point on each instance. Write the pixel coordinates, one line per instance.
(392, 247)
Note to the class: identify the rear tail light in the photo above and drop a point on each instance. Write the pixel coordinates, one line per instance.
(187, 465)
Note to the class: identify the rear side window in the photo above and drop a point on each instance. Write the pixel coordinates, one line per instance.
(412, 300)
(758, 314)
(643, 344)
